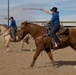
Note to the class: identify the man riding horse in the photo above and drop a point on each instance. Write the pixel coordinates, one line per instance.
(56, 24)
(13, 28)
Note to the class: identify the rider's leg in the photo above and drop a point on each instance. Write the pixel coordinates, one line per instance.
(53, 33)
(13, 34)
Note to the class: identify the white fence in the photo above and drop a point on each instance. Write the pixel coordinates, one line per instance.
(63, 23)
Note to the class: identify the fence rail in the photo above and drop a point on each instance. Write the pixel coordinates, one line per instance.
(60, 21)
(63, 23)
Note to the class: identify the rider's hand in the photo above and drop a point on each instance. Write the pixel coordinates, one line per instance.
(41, 9)
(5, 18)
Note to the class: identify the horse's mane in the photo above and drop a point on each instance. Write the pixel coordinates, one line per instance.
(30, 23)
(35, 26)
(4, 25)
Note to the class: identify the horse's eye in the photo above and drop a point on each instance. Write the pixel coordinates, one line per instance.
(22, 28)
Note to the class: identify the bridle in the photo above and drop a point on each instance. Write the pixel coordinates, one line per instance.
(5, 31)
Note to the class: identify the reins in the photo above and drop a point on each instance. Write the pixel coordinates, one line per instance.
(37, 31)
(5, 30)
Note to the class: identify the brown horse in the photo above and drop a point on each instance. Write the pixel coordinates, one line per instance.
(43, 42)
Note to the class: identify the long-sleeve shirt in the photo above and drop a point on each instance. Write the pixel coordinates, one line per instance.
(13, 24)
(47, 11)
(55, 16)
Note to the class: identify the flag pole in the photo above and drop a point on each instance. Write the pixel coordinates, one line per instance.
(31, 9)
(8, 12)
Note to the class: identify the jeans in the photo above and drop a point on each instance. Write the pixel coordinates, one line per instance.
(13, 33)
(55, 28)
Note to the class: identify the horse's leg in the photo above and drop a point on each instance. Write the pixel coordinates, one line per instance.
(50, 56)
(38, 50)
(22, 45)
(25, 39)
(74, 47)
(7, 45)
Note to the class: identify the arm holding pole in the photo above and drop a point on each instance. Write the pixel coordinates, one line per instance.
(47, 11)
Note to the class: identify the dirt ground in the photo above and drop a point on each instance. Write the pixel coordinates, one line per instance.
(17, 63)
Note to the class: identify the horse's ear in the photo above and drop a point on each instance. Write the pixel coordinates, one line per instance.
(25, 23)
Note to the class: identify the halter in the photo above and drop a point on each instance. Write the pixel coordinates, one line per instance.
(5, 31)
(6, 34)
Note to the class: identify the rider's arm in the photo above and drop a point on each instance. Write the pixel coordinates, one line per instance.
(7, 18)
(47, 11)
(11, 24)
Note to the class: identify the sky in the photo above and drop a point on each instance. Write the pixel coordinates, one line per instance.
(66, 8)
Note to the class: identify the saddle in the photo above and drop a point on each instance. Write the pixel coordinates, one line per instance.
(62, 33)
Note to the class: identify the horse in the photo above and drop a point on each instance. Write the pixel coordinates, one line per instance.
(44, 42)
(7, 36)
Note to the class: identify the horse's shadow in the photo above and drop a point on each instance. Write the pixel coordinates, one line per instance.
(27, 50)
(62, 63)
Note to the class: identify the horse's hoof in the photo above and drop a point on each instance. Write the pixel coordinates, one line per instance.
(55, 66)
(19, 51)
(8, 51)
(32, 49)
(31, 66)
(75, 66)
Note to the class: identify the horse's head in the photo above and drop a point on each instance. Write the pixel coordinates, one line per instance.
(23, 30)
(23, 25)
(0, 27)
(4, 28)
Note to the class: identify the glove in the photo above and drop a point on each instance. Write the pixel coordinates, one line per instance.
(41, 9)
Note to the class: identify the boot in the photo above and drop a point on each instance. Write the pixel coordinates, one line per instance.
(57, 45)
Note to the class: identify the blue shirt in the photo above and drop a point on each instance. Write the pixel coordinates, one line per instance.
(55, 18)
(13, 24)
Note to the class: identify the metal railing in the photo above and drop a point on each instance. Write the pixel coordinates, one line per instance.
(63, 23)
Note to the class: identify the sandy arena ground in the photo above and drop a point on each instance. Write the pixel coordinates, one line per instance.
(14, 63)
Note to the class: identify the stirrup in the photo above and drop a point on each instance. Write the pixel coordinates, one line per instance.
(46, 35)
(56, 45)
